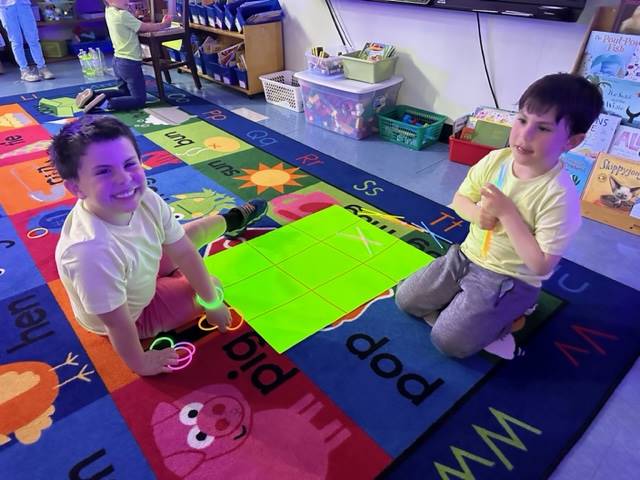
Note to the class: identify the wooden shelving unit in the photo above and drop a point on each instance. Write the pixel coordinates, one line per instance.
(263, 51)
(211, 79)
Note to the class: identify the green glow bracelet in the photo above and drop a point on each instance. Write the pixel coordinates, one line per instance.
(214, 303)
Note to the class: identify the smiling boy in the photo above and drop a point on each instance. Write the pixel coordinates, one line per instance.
(129, 268)
(472, 299)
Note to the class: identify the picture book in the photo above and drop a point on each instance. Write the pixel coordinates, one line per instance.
(614, 185)
(608, 54)
(621, 98)
(599, 136)
(488, 115)
(579, 167)
(492, 134)
(495, 115)
(626, 143)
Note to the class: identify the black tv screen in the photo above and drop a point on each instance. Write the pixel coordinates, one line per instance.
(560, 10)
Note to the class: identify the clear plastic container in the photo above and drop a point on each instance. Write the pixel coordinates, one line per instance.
(331, 65)
(346, 106)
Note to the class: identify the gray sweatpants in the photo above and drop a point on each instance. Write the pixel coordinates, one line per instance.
(476, 305)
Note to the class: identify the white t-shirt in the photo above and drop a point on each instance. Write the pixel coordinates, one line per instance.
(102, 266)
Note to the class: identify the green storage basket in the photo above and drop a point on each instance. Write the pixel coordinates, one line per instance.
(366, 71)
(416, 137)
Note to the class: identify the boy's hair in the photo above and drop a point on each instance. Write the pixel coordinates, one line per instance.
(73, 140)
(573, 97)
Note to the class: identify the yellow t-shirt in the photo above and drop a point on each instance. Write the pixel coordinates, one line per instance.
(549, 205)
(123, 30)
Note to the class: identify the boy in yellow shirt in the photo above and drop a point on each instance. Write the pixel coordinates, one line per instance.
(471, 297)
(131, 92)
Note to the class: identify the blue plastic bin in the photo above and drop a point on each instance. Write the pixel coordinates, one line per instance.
(229, 76)
(248, 9)
(230, 10)
(211, 15)
(219, 16)
(174, 55)
(243, 78)
(214, 70)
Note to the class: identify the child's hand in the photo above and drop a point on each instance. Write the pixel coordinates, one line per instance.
(486, 221)
(157, 361)
(221, 317)
(166, 21)
(495, 203)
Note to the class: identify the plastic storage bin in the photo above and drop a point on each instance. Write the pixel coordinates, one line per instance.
(282, 89)
(345, 106)
(247, 9)
(219, 16)
(229, 75)
(214, 69)
(331, 65)
(54, 48)
(104, 45)
(468, 153)
(230, 10)
(394, 129)
(366, 71)
(211, 15)
(243, 77)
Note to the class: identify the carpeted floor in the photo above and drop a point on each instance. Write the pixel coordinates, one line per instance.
(366, 395)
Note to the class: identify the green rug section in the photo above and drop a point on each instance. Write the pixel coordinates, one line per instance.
(297, 279)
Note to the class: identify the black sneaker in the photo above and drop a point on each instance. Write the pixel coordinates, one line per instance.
(251, 212)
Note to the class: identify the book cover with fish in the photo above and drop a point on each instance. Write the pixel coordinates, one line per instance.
(621, 98)
(608, 54)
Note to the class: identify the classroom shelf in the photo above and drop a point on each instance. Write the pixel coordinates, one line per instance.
(217, 31)
(263, 51)
(213, 80)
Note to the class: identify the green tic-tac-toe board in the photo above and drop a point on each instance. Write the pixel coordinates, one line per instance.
(297, 279)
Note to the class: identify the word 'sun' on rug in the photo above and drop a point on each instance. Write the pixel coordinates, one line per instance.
(326, 378)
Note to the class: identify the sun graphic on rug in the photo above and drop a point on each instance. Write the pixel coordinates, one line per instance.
(266, 177)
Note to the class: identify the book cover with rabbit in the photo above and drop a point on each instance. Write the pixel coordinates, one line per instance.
(614, 184)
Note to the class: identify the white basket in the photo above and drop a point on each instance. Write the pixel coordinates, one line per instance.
(282, 89)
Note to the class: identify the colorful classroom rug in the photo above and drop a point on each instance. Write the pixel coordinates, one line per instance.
(366, 395)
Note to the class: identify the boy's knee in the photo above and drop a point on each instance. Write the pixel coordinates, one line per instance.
(405, 298)
(449, 345)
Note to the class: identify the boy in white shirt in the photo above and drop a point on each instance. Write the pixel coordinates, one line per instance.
(129, 268)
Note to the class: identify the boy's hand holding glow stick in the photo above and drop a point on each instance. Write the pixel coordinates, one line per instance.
(486, 243)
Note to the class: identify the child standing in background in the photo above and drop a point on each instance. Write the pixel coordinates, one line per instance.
(18, 20)
(471, 297)
(131, 92)
(129, 268)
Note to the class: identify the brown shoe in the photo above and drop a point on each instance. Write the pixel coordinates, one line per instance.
(83, 97)
(97, 100)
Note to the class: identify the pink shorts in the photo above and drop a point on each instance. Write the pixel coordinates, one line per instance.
(172, 305)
